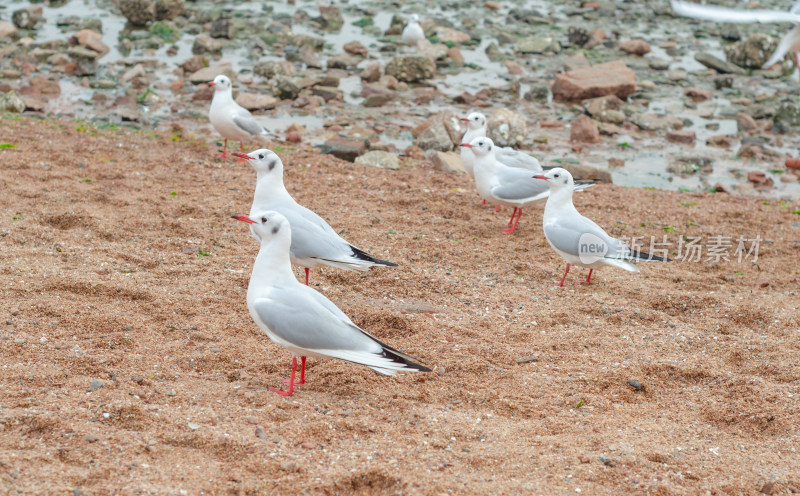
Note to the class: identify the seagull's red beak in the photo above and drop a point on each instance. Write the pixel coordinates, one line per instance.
(466, 145)
(212, 83)
(242, 155)
(541, 176)
(243, 218)
(464, 119)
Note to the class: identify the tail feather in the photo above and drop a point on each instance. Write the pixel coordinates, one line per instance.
(361, 255)
(647, 257)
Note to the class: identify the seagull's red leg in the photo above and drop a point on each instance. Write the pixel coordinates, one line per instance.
(513, 228)
(484, 201)
(289, 391)
(497, 208)
(561, 284)
(302, 373)
(306, 276)
(588, 278)
(241, 147)
(511, 220)
(224, 149)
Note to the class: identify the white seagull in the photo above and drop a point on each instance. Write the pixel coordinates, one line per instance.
(790, 42)
(504, 185)
(314, 242)
(579, 240)
(230, 119)
(302, 320)
(413, 32)
(477, 128)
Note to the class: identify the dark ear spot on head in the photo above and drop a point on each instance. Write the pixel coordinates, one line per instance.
(489, 147)
(272, 165)
(276, 229)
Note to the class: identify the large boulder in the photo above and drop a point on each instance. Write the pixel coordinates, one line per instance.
(439, 132)
(611, 78)
(28, 17)
(11, 102)
(138, 12)
(751, 53)
(411, 68)
(167, 10)
(507, 128)
(379, 159)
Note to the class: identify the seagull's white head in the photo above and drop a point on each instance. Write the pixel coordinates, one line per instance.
(263, 161)
(413, 18)
(267, 225)
(475, 120)
(557, 178)
(221, 83)
(480, 146)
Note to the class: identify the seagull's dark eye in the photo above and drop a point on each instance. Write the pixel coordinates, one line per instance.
(555, 175)
(263, 220)
(261, 156)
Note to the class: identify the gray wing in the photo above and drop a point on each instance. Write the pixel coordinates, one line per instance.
(720, 14)
(569, 232)
(245, 121)
(515, 158)
(312, 237)
(306, 319)
(518, 185)
(783, 47)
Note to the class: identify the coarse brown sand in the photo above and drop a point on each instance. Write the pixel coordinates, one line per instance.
(120, 263)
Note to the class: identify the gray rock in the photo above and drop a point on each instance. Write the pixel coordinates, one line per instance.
(659, 64)
(284, 88)
(344, 148)
(537, 44)
(635, 384)
(377, 100)
(439, 132)
(222, 28)
(207, 74)
(411, 68)
(11, 102)
(448, 162)
(27, 18)
(588, 173)
(718, 64)
(270, 69)
(786, 117)
(96, 384)
(206, 44)
(331, 17)
(539, 92)
(379, 159)
(343, 61)
(301, 40)
(751, 53)
(253, 101)
(507, 128)
(138, 12)
(169, 9)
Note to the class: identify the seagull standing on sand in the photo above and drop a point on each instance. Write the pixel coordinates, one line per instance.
(504, 185)
(476, 128)
(302, 320)
(790, 42)
(413, 32)
(578, 239)
(230, 119)
(314, 242)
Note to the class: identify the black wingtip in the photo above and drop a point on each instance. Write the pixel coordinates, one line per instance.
(399, 357)
(361, 255)
(647, 257)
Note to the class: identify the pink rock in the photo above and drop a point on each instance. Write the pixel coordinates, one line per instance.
(584, 131)
(635, 47)
(598, 80)
(685, 137)
(91, 40)
(698, 94)
(513, 68)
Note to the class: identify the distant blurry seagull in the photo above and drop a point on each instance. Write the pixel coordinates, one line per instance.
(230, 119)
(789, 43)
(413, 32)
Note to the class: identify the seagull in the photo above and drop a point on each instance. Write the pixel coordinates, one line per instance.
(578, 239)
(301, 319)
(790, 42)
(504, 185)
(413, 32)
(476, 128)
(230, 119)
(314, 242)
